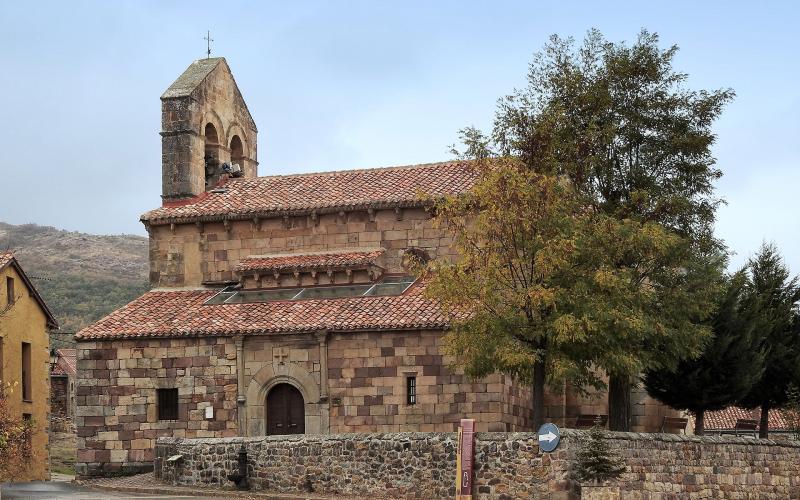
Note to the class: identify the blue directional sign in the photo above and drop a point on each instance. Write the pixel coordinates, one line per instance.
(549, 436)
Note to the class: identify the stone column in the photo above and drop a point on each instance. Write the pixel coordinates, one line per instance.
(322, 337)
(240, 388)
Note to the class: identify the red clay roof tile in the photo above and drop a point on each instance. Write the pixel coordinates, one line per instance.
(183, 313)
(311, 260)
(726, 419)
(323, 192)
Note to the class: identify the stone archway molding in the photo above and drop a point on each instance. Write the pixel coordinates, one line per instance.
(284, 373)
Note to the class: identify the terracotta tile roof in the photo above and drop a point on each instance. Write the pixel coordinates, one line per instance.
(322, 192)
(726, 419)
(67, 362)
(311, 260)
(5, 258)
(183, 313)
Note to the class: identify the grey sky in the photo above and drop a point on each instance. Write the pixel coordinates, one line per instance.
(336, 85)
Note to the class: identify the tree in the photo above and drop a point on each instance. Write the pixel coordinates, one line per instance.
(595, 461)
(510, 289)
(771, 297)
(636, 143)
(15, 439)
(727, 370)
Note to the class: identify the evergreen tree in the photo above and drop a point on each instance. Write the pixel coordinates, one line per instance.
(635, 141)
(595, 461)
(729, 367)
(771, 297)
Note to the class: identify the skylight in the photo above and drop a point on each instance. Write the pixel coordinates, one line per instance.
(390, 285)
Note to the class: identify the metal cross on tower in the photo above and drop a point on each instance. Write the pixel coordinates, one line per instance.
(208, 40)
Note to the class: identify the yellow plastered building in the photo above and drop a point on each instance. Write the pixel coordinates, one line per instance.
(25, 322)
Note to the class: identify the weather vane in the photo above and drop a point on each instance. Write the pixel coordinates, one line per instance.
(208, 40)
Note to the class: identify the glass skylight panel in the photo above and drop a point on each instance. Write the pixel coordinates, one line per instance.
(333, 292)
(390, 285)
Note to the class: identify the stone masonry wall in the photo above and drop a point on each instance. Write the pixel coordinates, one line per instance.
(116, 410)
(188, 254)
(368, 373)
(507, 465)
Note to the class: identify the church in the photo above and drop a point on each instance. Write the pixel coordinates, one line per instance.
(283, 304)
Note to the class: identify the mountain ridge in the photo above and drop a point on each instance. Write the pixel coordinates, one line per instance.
(81, 276)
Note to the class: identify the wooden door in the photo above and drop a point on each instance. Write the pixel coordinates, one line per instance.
(285, 410)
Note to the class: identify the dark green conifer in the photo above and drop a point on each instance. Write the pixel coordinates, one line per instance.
(726, 371)
(596, 462)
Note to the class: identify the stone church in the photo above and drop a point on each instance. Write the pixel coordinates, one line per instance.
(282, 304)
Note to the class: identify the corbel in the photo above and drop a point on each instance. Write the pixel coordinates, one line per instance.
(172, 227)
(227, 225)
(349, 273)
(398, 213)
(330, 275)
(256, 224)
(371, 214)
(277, 277)
(296, 274)
(314, 218)
(315, 276)
(199, 226)
(342, 217)
(286, 222)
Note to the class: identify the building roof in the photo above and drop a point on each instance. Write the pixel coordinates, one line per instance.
(8, 259)
(67, 362)
(320, 192)
(309, 260)
(726, 419)
(192, 77)
(183, 313)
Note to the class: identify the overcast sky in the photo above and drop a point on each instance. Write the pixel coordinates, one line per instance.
(339, 85)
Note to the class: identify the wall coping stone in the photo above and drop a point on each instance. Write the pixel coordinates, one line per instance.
(488, 436)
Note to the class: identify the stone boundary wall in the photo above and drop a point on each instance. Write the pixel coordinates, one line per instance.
(507, 465)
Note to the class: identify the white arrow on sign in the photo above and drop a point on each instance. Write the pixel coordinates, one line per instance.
(549, 437)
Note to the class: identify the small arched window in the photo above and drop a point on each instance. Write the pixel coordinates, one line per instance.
(211, 154)
(237, 151)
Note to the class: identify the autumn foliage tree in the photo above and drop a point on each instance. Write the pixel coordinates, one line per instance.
(15, 439)
(621, 125)
(511, 289)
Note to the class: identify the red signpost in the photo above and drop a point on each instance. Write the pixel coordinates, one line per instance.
(465, 459)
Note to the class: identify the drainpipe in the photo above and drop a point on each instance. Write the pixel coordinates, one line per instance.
(240, 397)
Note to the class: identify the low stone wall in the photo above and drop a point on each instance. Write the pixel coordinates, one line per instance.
(507, 465)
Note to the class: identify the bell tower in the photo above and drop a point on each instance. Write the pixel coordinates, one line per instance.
(206, 131)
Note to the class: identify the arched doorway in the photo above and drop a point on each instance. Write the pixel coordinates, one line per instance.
(285, 410)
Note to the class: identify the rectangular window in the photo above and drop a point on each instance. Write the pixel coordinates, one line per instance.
(167, 404)
(26, 371)
(10, 298)
(411, 390)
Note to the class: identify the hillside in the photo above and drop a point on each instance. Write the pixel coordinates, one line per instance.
(82, 277)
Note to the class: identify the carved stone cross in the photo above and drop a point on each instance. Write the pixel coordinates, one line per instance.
(280, 354)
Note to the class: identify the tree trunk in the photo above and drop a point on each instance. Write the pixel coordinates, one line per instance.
(699, 423)
(763, 429)
(619, 403)
(538, 394)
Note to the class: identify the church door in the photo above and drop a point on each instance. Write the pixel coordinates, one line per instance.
(285, 410)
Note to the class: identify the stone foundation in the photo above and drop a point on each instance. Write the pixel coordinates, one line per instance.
(507, 465)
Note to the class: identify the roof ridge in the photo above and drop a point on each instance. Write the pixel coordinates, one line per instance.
(356, 170)
(335, 251)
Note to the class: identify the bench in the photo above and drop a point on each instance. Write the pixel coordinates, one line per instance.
(585, 421)
(745, 425)
(674, 424)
